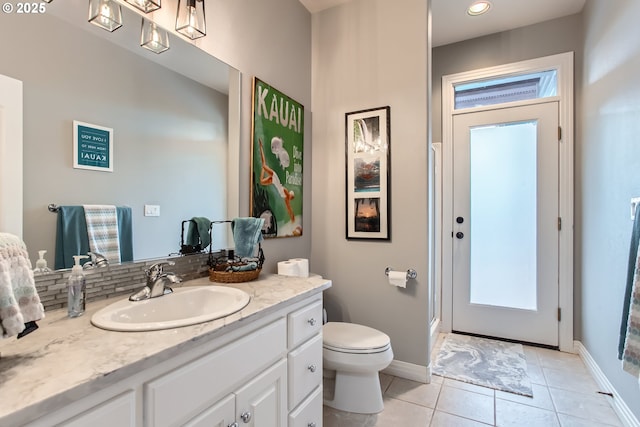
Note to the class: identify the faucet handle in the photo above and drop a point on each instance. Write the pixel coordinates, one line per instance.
(157, 268)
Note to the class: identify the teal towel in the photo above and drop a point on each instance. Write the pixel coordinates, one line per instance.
(250, 266)
(72, 238)
(198, 231)
(247, 232)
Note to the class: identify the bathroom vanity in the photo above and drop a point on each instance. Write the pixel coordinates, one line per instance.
(261, 366)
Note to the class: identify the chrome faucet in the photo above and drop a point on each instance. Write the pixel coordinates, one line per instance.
(97, 260)
(157, 282)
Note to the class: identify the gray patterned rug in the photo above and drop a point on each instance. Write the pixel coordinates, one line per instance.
(489, 363)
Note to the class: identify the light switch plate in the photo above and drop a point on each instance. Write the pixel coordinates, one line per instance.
(151, 210)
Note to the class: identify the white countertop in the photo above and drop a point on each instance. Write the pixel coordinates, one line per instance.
(66, 358)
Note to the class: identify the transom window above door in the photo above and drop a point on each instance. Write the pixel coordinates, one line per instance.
(504, 89)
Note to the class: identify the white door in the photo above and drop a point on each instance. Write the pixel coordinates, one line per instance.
(505, 225)
(10, 155)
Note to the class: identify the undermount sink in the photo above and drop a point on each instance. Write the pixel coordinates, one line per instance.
(185, 306)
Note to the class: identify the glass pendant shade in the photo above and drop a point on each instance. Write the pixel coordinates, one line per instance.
(145, 5)
(153, 38)
(190, 20)
(105, 14)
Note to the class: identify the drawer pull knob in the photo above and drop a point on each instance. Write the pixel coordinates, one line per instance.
(246, 417)
(311, 424)
(312, 321)
(235, 424)
(312, 368)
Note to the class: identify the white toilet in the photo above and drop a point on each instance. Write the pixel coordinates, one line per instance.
(356, 353)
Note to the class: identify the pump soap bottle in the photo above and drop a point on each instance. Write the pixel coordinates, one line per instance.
(77, 288)
(41, 264)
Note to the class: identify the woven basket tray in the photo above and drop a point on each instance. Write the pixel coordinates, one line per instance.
(232, 276)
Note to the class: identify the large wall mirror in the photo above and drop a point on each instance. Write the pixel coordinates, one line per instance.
(169, 113)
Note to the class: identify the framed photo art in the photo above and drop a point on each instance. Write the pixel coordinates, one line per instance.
(368, 160)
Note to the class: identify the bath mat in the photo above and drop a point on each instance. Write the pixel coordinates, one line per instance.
(489, 363)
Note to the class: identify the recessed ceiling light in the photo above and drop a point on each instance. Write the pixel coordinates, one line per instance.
(478, 8)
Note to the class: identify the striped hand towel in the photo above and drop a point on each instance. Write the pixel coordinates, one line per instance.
(631, 354)
(102, 230)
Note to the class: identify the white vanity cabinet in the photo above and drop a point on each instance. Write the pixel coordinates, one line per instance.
(265, 373)
(182, 394)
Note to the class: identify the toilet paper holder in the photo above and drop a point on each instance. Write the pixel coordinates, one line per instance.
(411, 273)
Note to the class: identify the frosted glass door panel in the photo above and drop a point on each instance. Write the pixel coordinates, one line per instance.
(503, 211)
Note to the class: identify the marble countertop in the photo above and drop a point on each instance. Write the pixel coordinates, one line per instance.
(66, 359)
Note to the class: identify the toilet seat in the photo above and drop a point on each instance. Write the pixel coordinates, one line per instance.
(353, 338)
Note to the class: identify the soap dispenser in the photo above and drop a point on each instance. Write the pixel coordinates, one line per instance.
(77, 288)
(41, 264)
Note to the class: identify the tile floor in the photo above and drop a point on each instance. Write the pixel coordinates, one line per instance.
(565, 395)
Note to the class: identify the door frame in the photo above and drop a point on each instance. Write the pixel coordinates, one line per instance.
(563, 63)
(11, 135)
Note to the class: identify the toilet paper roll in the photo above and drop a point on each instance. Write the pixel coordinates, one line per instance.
(303, 266)
(288, 268)
(398, 278)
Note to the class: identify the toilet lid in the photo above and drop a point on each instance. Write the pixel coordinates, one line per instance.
(351, 336)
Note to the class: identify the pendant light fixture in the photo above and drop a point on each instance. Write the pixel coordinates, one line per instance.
(145, 5)
(190, 20)
(153, 38)
(105, 14)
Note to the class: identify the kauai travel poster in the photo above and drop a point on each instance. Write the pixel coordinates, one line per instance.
(277, 159)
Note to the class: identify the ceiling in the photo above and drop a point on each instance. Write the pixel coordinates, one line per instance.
(452, 24)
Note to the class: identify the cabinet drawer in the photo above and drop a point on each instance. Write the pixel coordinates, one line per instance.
(119, 411)
(180, 395)
(305, 370)
(309, 413)
(304, 323)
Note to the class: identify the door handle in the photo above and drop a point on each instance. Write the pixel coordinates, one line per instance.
(459, 234)
(459, 220)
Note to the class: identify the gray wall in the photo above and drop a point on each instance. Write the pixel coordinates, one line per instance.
(367, 54)
(170, 133)
(270, 40)
(607, 165)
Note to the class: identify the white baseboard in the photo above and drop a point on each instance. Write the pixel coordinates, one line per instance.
(409, 371)
(624, 413)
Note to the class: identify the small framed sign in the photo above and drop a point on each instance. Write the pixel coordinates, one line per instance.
(92, 147)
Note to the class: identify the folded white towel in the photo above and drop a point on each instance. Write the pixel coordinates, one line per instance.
(19, 300)
(102, 230)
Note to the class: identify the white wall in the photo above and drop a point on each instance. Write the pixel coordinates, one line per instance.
(607, 165)
(367, 54)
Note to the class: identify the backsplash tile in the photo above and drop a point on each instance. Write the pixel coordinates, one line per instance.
(114, 281)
